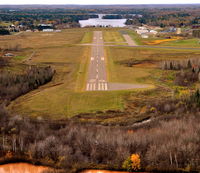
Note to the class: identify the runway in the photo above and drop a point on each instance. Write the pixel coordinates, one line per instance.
(97, 74)
(97, 77)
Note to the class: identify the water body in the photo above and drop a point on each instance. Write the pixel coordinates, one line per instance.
(103, 22)
(22, 168)
(104, 171)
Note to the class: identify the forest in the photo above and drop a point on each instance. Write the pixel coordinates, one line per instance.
(158, 16)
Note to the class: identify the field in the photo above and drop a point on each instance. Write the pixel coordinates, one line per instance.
(194, 42)
(140, 65)
(65, 95)
(173, 42)
(87, 38)
(113, 37)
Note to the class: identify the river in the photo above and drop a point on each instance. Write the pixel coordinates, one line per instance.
(29, 168)
(22, 168)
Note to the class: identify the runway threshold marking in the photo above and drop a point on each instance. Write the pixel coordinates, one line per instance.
(101, 86)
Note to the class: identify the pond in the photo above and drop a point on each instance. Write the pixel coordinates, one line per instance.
(22, 168)
(103, 22)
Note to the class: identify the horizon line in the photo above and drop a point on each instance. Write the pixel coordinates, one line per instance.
(113, 4)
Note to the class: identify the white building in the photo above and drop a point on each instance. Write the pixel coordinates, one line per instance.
(47, 30)
(141, 31)
(153, 32)
(144, 36)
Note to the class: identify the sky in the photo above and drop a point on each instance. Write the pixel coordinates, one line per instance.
(85, 2)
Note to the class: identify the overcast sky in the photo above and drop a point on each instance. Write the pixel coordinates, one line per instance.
(98, 1)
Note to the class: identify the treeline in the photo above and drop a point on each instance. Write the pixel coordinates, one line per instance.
(32, 17)
(158, 16)
(13, 84)
(181, 64)
(112, 17)
(188, 70)
(4, 32)
(196, 33)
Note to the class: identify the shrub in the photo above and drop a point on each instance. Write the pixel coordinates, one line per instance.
(127, 164)
(132, 163)
(4, 32)
(3, 61)
(195, 98)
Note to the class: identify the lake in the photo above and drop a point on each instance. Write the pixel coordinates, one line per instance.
(103, 22)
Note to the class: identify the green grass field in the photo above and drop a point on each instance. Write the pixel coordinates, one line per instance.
(147, 72)
(65, 95)
(57, 104)
(87, 38)
(113, 37)
(195, 42)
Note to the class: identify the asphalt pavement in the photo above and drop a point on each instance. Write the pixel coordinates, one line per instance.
(97, 77)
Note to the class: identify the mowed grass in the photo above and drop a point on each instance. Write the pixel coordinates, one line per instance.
(55, 104)
(113, 37)
(87, 37)
(65, 95)
(144, 73)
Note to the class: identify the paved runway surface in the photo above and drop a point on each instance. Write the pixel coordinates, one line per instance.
(97, 79)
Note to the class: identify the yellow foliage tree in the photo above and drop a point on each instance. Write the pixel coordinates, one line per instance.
(136, 162)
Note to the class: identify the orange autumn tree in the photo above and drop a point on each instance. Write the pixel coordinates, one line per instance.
(136, 163)
(132, 163)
